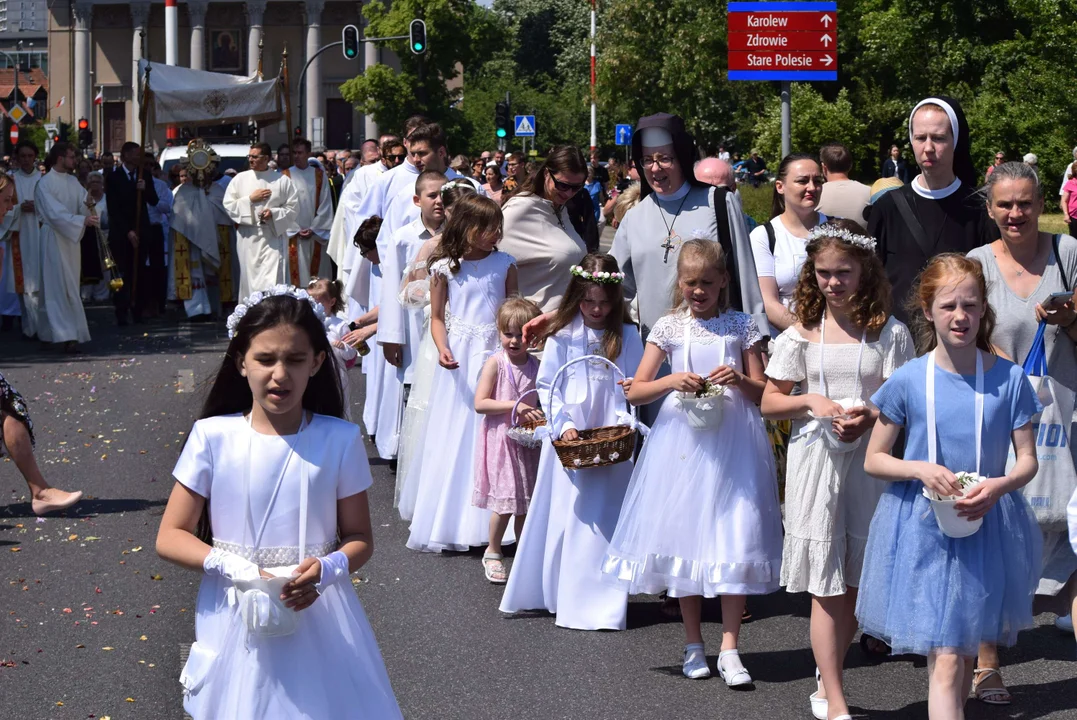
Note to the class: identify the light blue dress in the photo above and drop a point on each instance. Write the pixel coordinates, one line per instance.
(921, 590)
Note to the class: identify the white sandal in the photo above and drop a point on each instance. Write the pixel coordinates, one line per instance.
(736, 677)
(490, 562)
(819, 705)
(990, 696)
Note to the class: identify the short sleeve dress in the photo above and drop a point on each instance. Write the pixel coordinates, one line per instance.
(332, 660)
(921, 590)
(829, 499)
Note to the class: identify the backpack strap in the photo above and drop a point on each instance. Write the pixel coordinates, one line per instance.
(772, 239)
(1058, 261)
(912, 222)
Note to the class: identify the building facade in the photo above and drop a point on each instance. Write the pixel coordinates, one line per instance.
(94, 48)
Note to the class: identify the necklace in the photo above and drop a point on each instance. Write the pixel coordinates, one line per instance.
(673, 240)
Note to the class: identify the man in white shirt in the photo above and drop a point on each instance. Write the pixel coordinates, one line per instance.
(60, 203)
(314, 219)
(264, 204)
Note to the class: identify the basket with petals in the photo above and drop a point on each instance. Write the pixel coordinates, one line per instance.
(524, 433)
(601, 446)
(703, 408)
(950, 523)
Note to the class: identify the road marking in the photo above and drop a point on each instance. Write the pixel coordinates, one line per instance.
(185, 381)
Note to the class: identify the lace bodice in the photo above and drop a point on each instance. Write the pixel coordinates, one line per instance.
(796, 359)
(477, 289)
(718, 341)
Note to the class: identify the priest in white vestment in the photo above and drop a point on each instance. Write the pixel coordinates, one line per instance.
(196, 250)
(313, 222)
(23, 234)
(60, 204)
(264, 203)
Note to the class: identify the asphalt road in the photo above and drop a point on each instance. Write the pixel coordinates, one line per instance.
(93, 621)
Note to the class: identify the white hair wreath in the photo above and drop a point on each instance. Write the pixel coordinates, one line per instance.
(826, 230)
(275, 291)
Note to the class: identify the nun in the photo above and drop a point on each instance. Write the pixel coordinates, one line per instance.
(939, 211)
(676, 206)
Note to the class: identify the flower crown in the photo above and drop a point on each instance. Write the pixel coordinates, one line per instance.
(456, 183)
(599, 277)
(827, 230)
(275, 291)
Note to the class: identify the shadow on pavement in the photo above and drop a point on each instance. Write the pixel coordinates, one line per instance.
(85, 508)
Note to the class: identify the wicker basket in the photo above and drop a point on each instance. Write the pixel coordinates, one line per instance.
(597, 447)
(524, 433)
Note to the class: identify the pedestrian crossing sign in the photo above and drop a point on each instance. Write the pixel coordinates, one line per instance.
(525, 126)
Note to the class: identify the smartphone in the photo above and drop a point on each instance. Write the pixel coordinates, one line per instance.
(1058, 298)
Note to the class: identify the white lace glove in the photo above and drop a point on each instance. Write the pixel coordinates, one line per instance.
(334, 569)
(230, 566)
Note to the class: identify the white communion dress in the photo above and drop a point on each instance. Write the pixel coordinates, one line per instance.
(701, 516)
(330, 665)
(573, 513)
(442, 468)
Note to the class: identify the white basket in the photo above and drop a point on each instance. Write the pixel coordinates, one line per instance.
(702, 412)
(950, 523)
(833, 442)
(522, 434)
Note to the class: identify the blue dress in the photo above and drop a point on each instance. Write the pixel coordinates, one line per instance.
(920, 589)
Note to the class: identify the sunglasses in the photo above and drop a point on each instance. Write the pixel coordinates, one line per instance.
(398, 156)
(563, 186)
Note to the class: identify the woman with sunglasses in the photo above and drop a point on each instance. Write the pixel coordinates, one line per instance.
(539, 231)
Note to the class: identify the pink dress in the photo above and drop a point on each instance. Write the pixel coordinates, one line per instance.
(504, 470)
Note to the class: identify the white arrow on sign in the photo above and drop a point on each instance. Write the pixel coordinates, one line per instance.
(826, 20)
(827, 60)
(826, 40)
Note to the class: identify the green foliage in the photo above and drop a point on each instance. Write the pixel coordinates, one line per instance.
(756, 201)
(814, 123)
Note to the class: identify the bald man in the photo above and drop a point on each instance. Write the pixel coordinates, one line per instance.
(716, 172)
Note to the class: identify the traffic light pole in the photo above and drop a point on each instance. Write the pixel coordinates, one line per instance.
(303, 73)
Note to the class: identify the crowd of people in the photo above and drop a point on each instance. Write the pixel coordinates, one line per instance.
(837, 401)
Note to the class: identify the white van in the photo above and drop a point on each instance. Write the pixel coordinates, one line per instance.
(233, 156)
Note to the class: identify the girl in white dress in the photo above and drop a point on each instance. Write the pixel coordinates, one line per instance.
(842, 348)
(268, 481)
(701, 515)
(573, 513)
(415, 294)
(468, 280)
(330, 295)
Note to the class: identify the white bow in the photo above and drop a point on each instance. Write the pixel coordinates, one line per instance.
(626, 418)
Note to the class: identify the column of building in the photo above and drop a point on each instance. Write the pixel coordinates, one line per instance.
(315, 95)
(83, 99)
(140, 16)
(255, 11)
(196, 15)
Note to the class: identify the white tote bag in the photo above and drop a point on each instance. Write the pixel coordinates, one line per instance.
(1051, 489)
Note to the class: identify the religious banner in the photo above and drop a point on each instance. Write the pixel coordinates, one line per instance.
(181, 96)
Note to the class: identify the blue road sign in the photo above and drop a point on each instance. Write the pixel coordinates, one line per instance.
(525, 126)
(623, 134)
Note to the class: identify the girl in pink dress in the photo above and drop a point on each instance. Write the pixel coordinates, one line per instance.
(505, 470)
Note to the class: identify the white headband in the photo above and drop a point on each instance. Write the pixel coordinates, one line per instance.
(945, 106)
(654, 137)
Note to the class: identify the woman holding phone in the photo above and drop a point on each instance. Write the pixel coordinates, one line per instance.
(1031, 276)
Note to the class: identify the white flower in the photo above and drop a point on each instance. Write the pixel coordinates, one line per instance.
(614, 456)
(576, 462)
(597, 459)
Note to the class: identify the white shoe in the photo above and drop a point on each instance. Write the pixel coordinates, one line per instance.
(695, 662)
(819, 706)
(734, 675)
(1064, 623)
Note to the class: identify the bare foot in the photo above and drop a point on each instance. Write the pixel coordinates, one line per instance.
(53, 499)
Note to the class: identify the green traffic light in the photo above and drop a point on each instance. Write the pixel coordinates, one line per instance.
(418, 47)
(501, 132)
(350, 53)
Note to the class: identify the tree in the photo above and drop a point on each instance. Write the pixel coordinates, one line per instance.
(459, 32)
(815, 123)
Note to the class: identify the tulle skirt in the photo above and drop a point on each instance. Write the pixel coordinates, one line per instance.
(921, 590)
(701, 515)
(329, 665)
(411, 430)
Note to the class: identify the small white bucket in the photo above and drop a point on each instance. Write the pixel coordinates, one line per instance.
(950, 523)
(831, 439)
(704, 412)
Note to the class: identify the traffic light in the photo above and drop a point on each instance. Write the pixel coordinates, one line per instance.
(502, 121)
(298, 131)
(85, 134)
(63, 132)
(417, 34)
(350, 38)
